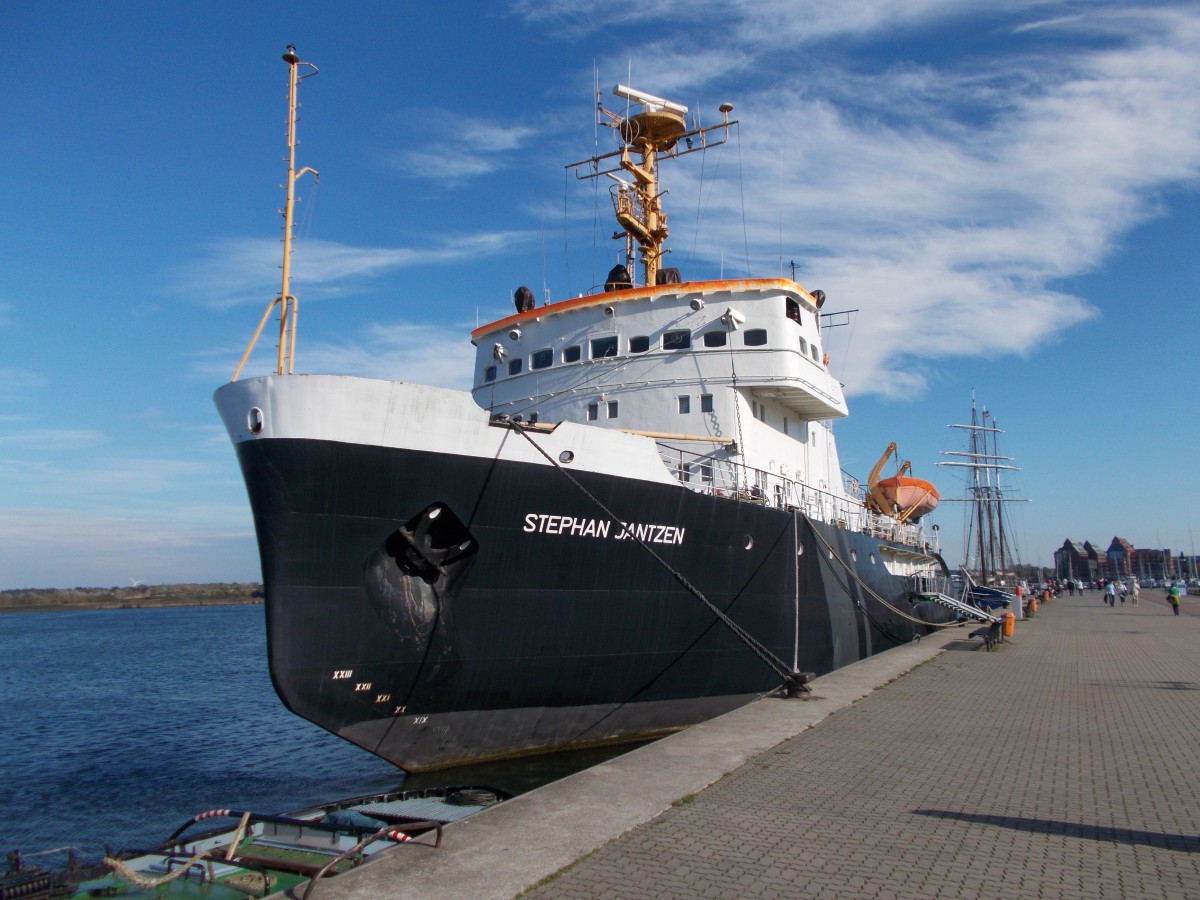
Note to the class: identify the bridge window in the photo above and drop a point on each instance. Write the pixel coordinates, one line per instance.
(677, 340)
(706, 403)
(612, 409)
(489, 374)
(541, 359)
(755, 337)
(514, 367)
(602, 347)
(571, 354)
(815, 355)
(714, 338)
(639, 344)
(804, 346)
(793, 309)
(685, 404)
(593, 412)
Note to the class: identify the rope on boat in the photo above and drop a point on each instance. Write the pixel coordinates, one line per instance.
(791, 678)
(833, 554)
(142, 881)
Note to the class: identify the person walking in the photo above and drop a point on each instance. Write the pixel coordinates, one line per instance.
(1110, 592)
(1134, 589)
(1173, 598)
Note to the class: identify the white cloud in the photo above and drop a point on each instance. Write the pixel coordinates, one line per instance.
(119, 485)
(401, 351)
(56, 439)
(57, 547)
(479, 147)
(948, 196)
(946, 204)
(396, 351)
(246, 270)
(16, 383)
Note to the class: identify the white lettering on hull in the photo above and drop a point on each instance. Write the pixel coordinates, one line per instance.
(571, 526)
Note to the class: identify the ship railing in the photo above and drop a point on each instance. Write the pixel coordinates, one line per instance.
(719, 474)
(926, 583)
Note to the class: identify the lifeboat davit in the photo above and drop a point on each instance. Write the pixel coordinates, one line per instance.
(911, 497)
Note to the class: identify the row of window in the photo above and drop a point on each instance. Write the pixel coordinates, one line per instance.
(685, 403)
(593, 410)
(605, 347)
(612, 408)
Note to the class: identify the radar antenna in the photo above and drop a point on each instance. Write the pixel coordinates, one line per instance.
(654, 133)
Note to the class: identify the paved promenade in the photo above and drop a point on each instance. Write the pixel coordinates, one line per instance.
(1066, 763)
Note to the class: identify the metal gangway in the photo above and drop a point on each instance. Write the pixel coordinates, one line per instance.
(936, 591)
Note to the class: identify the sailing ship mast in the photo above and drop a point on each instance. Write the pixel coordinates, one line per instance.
(986, 529)
(288, 305)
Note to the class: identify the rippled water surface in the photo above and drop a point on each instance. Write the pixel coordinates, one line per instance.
(118, 725)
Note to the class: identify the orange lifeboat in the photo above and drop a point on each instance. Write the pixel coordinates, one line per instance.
(913, 497)
(902, 496)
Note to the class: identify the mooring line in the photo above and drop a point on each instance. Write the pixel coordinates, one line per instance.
(791, 678)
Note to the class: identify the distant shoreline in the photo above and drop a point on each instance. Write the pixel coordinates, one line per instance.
(164, 604)
(140, 597)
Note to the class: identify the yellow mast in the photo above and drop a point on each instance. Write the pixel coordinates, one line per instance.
(653, 133)
(288, 305)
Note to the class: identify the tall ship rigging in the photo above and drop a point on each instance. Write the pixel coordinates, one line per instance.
(990, 554)
(635, 520)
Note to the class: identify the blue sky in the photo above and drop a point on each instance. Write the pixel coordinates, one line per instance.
(1008, 198)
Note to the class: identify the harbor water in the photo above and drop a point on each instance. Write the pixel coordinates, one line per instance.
(119, 725)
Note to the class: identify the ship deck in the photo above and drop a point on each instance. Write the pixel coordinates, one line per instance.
(1061, 764)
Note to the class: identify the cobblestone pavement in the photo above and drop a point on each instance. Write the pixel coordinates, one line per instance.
(1064, 764)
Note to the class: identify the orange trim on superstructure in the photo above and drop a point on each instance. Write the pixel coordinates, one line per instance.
(610, 298)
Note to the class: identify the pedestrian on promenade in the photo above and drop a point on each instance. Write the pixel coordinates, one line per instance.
(1123, 590)
(1135, 589)
(1173, 598)
(1110, 593)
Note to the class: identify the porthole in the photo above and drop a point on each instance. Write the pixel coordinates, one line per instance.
(748, 542)
(566, 456)
(254, 420)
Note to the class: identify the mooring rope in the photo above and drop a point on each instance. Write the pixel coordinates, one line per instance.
(779, 667)
(833, 554)
(148, 883)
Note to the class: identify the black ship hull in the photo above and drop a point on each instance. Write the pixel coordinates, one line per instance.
(439, 608)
